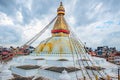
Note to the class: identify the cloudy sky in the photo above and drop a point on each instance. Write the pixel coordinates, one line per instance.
(96, 22)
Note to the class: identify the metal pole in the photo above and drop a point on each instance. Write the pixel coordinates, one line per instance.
(96, 77)
(118, 73)
(84, 78)
(108, 77)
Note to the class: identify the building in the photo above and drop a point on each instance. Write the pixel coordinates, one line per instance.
(114, 58)
(104, 51)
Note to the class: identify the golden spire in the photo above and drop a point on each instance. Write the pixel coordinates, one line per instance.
(61, 9)
(60, 27)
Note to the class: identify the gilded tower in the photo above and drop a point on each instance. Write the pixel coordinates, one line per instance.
(59, 43)
(60, 27)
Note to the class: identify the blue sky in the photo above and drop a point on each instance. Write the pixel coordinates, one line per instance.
(96, 22)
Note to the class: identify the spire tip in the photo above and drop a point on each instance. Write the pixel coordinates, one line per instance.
(61, 3)
(61, 9)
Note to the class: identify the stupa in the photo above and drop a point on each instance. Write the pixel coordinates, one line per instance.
(62, 53)
(60, 43)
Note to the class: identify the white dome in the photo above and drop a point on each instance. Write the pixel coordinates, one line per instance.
(57, 45)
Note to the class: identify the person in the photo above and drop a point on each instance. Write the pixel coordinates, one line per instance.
(0, 58)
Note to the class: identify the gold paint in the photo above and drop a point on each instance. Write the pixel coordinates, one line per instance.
(96, 77)
(50, 47)
(61, 51)
(108, 77)
(60, 12)
(60, 23)
(60, 34)
(61, 9)
(71, 45)
(60, 43)
(41, 47)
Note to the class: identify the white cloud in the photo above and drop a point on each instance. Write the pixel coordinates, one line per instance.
(98, 7)
(94, 10)
(19, 16)
(71, 20)
(35, 27)
(5, 20)
(26, 3)
(96, 33)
